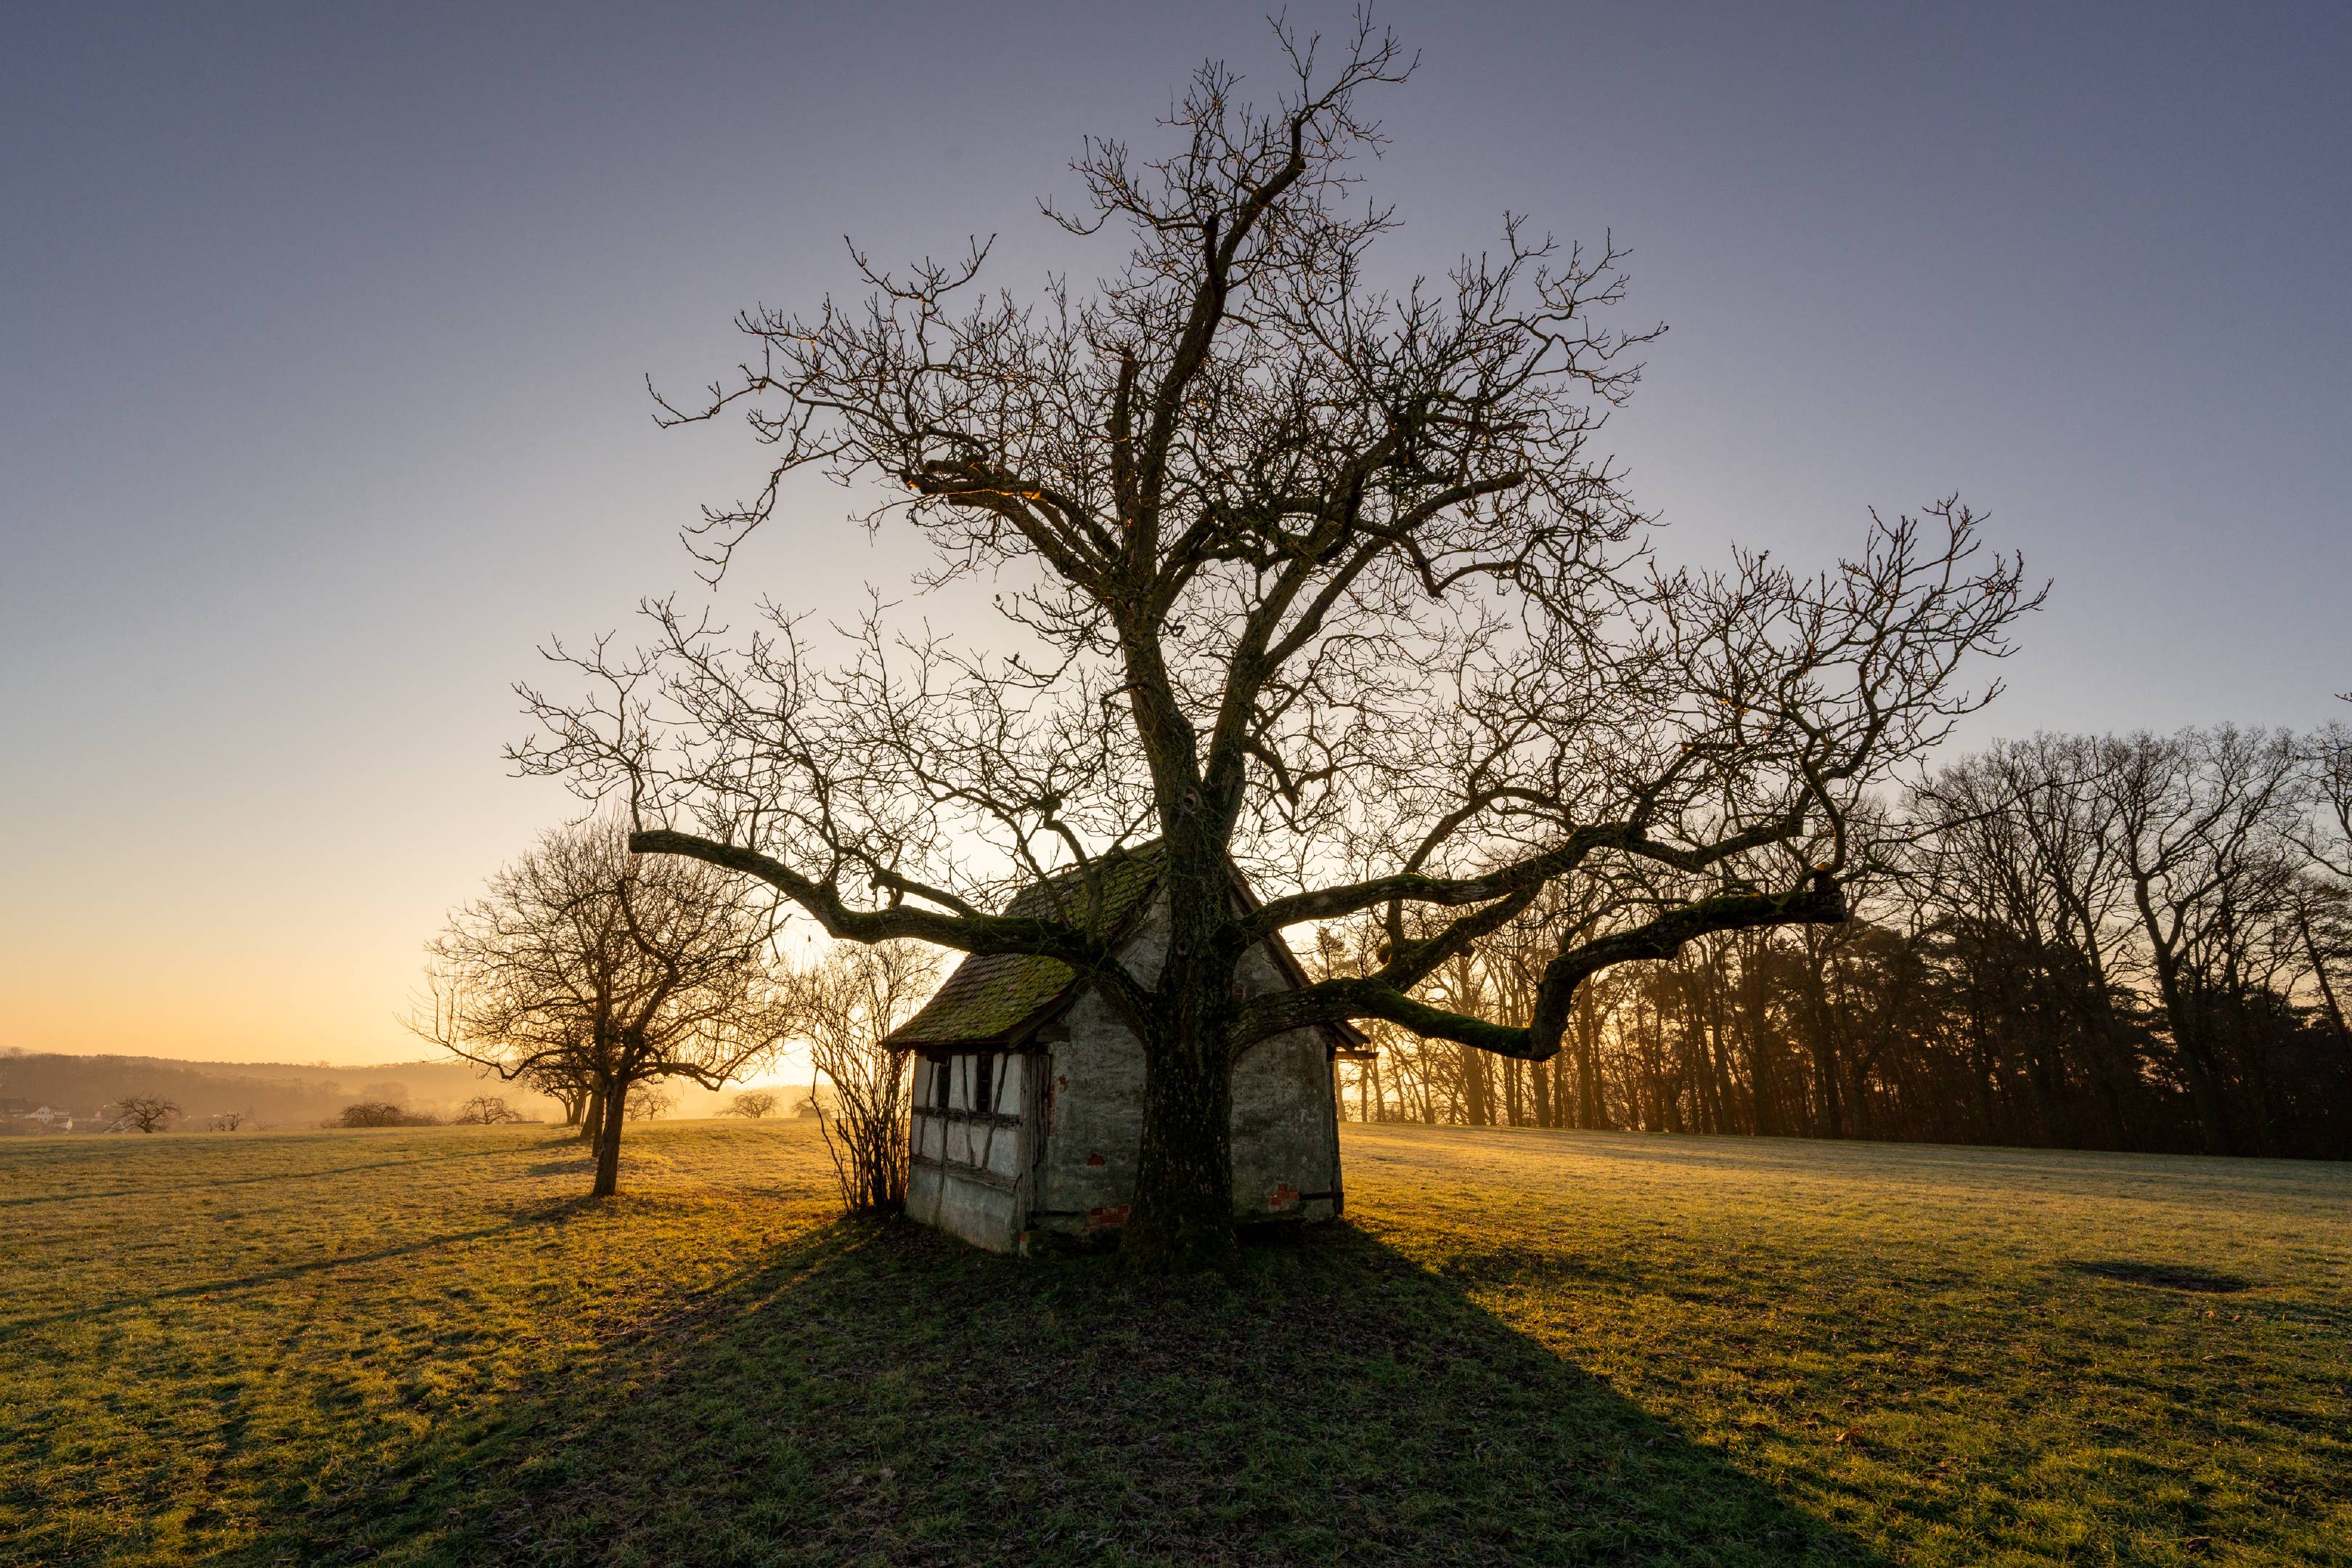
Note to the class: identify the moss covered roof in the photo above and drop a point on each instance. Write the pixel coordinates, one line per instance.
(993, 998)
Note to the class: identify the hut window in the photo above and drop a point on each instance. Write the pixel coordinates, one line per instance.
(940, 1077)
(983, 1065)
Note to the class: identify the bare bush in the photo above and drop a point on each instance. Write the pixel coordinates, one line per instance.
(845, 1004)
(753, 1104)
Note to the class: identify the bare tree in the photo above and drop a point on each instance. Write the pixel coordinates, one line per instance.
(564, 1079)
(486, 1110)
(2327, 841)
(227, 1121)
(753, 1104)
(586, 963)
(2328, 838)
(2018, 864)
(646, 1103)
(844, 1004)
(147, 1112)
(1299, 574)
(2200, 819)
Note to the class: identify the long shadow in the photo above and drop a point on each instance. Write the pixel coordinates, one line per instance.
(265, 1178)
(546, 1214)
(879, 1395)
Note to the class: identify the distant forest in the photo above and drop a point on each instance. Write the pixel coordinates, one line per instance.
(2092, 943)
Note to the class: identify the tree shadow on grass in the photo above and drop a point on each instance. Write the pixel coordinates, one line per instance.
(266, 1178)
(538, 1215)
(874, 1394)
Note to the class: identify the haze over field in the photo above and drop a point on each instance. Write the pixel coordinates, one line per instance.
(86, 1089)
(326, 331)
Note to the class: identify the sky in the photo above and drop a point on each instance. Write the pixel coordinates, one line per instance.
(324, 335)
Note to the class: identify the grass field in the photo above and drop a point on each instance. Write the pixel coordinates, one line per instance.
(417, 1346)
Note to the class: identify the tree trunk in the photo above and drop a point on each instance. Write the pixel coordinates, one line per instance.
(1716, 1060)
(1763, 1087)
(2319, 970)
(2189, 1043)
(592, 1124)
(1828, 1120)
(1591, 1095)
(2111, 1066)
(1474, 1109)
(608, 1142)
(1182, 1218)
(2194, 1049)
(2085, 983)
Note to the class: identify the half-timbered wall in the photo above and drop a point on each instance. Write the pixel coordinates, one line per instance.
(967, 1152)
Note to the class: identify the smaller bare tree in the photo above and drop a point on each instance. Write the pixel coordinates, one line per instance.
(846, 1003)
(646, 1103)
(588, 966)
(486, 1110)
(227, 1121)
(147, 1112)
(753, 1104)
(564, 1079)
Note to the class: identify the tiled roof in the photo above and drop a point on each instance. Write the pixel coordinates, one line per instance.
(991, 996)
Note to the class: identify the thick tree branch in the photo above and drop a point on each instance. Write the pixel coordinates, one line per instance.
(1534, 871)
(1820, 901)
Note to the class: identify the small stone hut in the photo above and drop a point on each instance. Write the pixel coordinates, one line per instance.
(1028, 1099)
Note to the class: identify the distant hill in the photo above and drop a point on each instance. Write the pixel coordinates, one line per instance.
(270, 1094)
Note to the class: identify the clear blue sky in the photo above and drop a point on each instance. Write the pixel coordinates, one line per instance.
(324, 329)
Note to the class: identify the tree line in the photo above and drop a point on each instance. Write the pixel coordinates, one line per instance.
(2135, 942)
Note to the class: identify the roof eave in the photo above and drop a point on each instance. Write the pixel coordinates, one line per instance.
(1017, 1036)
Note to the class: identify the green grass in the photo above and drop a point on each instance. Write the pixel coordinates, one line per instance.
(417, 1346)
